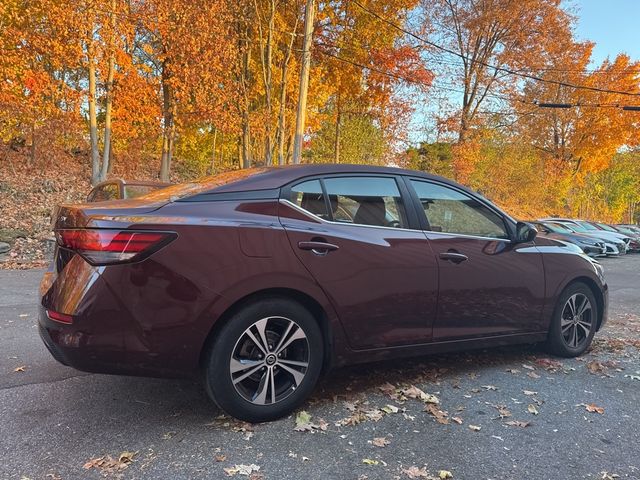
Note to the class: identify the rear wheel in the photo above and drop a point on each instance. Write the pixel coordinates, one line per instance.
(265, 360)
(574, 321)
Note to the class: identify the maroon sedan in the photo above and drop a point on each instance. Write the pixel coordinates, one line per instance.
(263, 279)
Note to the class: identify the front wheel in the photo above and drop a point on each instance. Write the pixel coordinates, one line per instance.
(265, 360)
(574, 321)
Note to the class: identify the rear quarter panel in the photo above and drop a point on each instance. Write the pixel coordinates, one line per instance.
(224, 251)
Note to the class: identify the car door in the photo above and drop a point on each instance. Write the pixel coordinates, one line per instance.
(488, 284)
(363, 246)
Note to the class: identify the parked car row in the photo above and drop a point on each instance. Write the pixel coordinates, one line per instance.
(596, 239)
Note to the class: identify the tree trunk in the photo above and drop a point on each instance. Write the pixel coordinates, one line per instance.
(246, 141)
(304, 81)
(336, 152)
(267, 69)
(33, 144)
(213, 153)
(93, 123)
(168, 123)
(280, 133)
(106, 153)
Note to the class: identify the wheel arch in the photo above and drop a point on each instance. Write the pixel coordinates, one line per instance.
(307, 301)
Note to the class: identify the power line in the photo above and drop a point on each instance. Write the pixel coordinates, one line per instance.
(449, 89)
(488, 65)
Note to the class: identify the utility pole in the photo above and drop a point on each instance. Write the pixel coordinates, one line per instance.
(304, 81)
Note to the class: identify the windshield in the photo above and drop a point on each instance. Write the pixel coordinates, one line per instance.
(587, 226)
(606, 227)
(574, 227)
(557, 228)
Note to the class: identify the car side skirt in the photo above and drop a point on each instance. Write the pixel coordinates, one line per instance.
(405, 351)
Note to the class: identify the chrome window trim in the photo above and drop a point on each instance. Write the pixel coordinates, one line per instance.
(463, 235)
(329, 222)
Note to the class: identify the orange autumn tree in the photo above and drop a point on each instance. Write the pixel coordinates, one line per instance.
(362, 65)
(481, 41)
(39, 58)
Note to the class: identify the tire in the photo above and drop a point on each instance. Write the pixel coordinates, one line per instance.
(244, 378)
(564, 324)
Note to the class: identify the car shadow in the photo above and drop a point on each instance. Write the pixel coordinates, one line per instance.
(183, 403)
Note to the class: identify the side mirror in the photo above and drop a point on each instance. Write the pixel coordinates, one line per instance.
(525, 232)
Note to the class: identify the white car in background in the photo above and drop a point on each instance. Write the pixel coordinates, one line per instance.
(618, 240)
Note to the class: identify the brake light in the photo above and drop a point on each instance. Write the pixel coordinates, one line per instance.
(104, 247)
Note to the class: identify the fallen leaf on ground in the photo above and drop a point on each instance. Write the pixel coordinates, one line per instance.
(439, 415)
(415, 472)
(415, 392)
(109, 465)
(389, 389)
(549, 364)
(529, 392)
(593, 408)
(595, 367)
(245, 470)
(489, 387)
(220, 458)
(458, 420)
(502, 410)
(374, 415)
(444, 474)
(21, 368)
(475, 428)
(390, 409)
(517, 423)
(368, 461)
(532, 409)
(303, 423)
(380, 442)
(533, 375)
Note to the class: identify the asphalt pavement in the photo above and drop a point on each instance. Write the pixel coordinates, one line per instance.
(510, 413)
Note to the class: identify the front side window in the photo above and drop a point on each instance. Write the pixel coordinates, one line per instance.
(308, 196)
(372, 201)
(451, 211)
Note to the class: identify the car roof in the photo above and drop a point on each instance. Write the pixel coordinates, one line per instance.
(276, 177)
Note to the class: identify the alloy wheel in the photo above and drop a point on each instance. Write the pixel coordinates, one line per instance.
(577, 320)
(269, 360)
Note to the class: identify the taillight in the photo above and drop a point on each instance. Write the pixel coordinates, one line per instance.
(105, 247)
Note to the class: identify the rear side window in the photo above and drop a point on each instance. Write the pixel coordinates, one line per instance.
(451, 211)
(308, 196)
(372, 201)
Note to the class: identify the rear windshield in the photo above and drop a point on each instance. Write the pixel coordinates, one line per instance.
(204, 184)
(135, 191)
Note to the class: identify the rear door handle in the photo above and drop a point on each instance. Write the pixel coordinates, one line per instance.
(319, 248)
(454, 257)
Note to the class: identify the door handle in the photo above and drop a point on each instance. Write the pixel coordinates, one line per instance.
(453, 257)
(319, 248)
